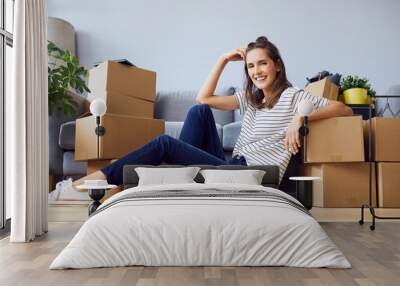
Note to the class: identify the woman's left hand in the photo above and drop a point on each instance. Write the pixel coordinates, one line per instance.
(292, 139)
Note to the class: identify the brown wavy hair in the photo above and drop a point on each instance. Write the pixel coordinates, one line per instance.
(254, 95)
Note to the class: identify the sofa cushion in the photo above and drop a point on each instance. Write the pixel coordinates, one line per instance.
(72, 167)
(55, 121)
(66, 140)
(231, 133)
(174, 105)
(237, 116)
(173, 129)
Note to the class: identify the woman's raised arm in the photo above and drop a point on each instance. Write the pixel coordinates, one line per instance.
(206, 93)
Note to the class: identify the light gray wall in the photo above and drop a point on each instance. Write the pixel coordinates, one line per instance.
(181, 39)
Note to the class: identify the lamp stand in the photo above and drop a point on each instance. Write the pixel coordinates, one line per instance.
(304, 132)
(100, 131)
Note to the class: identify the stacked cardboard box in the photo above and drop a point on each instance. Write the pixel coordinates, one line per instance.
(385, 147)
(324, 88)
(333, 140)
(341, 185)
(125, 89)
(335, 154)
(129, 93)
(123, 134)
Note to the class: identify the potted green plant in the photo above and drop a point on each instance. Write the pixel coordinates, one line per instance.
(66, 84)
(356, 90)
(64, 73)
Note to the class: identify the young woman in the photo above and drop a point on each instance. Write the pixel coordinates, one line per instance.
(270, 129)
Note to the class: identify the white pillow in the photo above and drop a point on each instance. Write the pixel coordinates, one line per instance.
(166, 176)
(248, 177)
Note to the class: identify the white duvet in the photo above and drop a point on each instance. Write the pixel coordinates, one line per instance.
(200, 231)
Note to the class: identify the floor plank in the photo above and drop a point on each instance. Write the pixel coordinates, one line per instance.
(375, 257)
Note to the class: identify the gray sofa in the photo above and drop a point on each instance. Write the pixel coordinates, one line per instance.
(172, 107)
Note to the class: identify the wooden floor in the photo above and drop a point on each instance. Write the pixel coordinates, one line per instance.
(374, 255)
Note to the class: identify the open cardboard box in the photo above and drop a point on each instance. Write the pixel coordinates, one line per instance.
(324, 88)
(123, 79)
(123, 134)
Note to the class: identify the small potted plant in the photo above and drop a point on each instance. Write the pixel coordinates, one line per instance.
(356, 90)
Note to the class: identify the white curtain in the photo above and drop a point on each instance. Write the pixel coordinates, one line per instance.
(27, 123)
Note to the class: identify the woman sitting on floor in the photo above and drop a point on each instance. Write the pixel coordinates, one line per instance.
(270, 129)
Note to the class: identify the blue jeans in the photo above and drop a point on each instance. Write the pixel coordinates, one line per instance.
(198, 144)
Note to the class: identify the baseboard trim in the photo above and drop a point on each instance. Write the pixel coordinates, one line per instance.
(78, 212)
(349, 214)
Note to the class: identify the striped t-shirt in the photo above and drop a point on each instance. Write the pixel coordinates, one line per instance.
(261, 138)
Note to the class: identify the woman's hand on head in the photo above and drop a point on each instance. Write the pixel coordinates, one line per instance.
(235, 55)
(292, 139)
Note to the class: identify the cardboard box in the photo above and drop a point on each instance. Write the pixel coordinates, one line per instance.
(324, 88)
(389, 185)
(385, 138)
(341, 185)
(121, 104)
(95, 165)
(338, 139)
(123, 134)
(124, 80)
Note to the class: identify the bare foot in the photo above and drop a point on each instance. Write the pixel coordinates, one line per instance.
(98, 175)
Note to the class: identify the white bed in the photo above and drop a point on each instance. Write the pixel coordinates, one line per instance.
(188, 231)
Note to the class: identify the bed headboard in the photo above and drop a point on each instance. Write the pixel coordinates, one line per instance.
(270, 179)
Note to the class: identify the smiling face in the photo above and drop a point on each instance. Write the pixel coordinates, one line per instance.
(261, 69)
(265, 74)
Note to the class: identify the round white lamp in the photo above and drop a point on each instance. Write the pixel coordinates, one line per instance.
(98, 108)
(305, 107)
